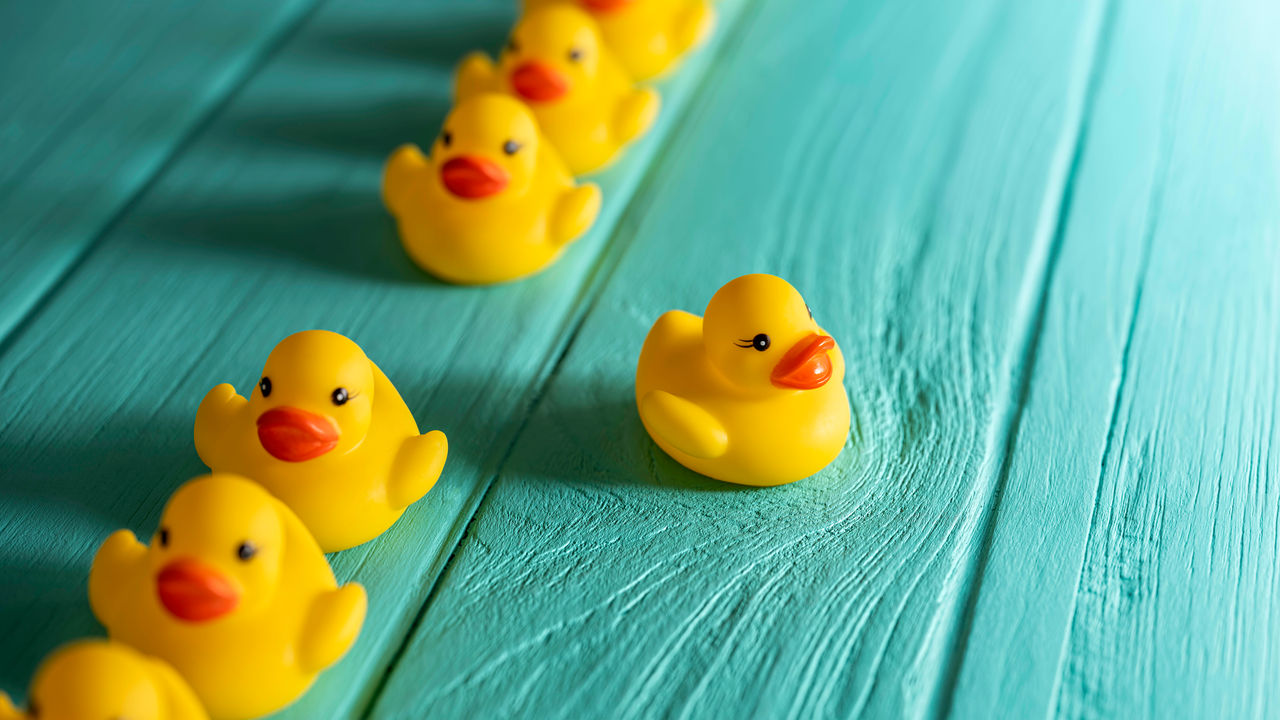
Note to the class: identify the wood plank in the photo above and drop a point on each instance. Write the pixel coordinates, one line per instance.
(97, 97)
(904, 164)
(1133, 561)
(268, 223)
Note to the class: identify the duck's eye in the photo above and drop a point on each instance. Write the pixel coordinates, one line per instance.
(446, 138)
(340, 396)
(246, 551)
(759, 342)
(575, 55)
(512, 46)
(511, 147)
(162, 537)
(265, 386)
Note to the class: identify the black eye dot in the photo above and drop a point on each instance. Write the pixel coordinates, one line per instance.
(340, 396)
(246, 551)
(512, 46)
(760, 342)
(806, 307)
(511, 147)
(575, 55)
(163, 537)
(446, 138)
(265, 386)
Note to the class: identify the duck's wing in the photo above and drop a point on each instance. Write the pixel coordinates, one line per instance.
(574, 213)
(635, 114)
(332, 626)
(405, 168)
(215, 414)
(417, 467)
(181, 700)
(111, 575)
(476, 74)
(683, 424)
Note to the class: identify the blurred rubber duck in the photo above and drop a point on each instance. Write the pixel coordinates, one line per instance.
(326, 432)
(649, 37)
(105, 680)
(584, 101)
(494, 202)
(233, 592)
(752, 393)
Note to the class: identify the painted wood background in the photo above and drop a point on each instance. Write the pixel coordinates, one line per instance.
(1047, 236)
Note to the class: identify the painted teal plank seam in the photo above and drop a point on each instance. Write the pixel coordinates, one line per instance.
(606, 263)
(18, 312)
(1012, 397)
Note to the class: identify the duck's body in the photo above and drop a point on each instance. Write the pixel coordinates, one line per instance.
(247, 649)
(584, 101)
(733, 429)
(345, 496)
(471, 213)
(649, 37)
(105, 680)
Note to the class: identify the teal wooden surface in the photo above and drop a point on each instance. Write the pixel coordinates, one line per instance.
(94, 98)
(1045, 234)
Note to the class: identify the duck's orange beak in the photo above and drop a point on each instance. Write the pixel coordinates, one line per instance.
(195, 592)
(539, 82)
(473, 177)
(806, 366)
(605, 5)
(295, 435)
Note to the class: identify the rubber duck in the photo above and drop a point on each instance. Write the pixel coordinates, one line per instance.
(584, 101)
(233, 592)
(751, 393)
(326, 432)
(649, 37)
(494, 202)
(105, 680)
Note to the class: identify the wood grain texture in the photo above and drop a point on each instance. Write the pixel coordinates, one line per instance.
(1133, 561)
(904, 164)
(267, 223)
(95, 97)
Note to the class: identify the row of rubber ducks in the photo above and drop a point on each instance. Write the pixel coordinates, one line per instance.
(232, 610)
(496, 199)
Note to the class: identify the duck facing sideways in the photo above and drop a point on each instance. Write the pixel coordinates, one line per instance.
(233, 592)
(752, 393)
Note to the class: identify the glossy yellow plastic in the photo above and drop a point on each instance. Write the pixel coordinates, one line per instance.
(649, 37)
(326, 432)
(105, 680)
(494, 201)
(585, 102)
(233, 592)
(752, 393)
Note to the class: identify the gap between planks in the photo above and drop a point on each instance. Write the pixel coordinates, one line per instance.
(1027, 328)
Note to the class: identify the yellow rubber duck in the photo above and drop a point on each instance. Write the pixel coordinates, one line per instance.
(649, 37)
(105, 680)
(752, 393)
(326, 432)
(493, 202)
(583, 100)
(233, 592)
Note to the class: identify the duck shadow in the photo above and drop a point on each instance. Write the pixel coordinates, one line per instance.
(42, 608)
(344, 232)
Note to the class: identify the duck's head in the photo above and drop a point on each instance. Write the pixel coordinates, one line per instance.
(552, 52)
(760, 334)
(96, 680)
(315, 397)
(218, 550)
(488, 147)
